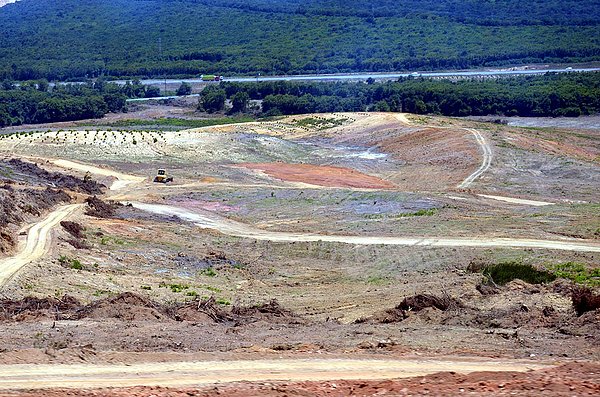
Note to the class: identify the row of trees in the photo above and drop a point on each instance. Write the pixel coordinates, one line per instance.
(549, 95)
(570, 94)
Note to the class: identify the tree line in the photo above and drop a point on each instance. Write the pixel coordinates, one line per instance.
(37, 102)
(551, 95)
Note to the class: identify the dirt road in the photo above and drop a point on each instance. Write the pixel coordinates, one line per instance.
(14, 377)
(237, 229)
(487, 159)
(37, 243)
(513, 200)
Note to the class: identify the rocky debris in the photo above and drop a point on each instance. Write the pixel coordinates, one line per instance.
(73, 228)
(31, 308)
(238, 315)
(515, 316)
(55, 179)
(101, 209)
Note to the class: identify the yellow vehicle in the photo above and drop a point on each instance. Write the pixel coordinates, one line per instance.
(162, 176)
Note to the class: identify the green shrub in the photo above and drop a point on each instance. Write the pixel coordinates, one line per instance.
(506, 272)
(76, 264)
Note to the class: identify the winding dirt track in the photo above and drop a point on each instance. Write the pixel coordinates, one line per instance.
(38, 237)
(37, 244)
(487, 159)
(15, 377)
(237, 229)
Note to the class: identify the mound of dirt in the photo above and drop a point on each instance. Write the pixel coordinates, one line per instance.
(320, 175)
(516, 316)
(266, 311)
(101, 209)
(132, 307)
(203, 310)
(31, 308)
(126, 306)
(73, 228)
(415, 304)
(57, 179)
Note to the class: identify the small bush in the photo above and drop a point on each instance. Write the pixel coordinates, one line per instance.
(505, 272)
(76, 264)
(210, 272)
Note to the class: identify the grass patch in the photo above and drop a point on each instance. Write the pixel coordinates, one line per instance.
(423, 212)
(212, 289)
(223, 301)
(578, 273)
(209, 272)
(320, 123)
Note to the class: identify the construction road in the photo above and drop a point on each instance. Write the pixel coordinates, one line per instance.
(37, 243)
(180, 374)
(208, 220)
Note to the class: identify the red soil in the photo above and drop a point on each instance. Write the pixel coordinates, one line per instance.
(320, 175)
(576, 379)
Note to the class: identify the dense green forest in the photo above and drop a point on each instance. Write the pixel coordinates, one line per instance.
(36, 102)
(547, 95)
(552, 95)
(71, 39)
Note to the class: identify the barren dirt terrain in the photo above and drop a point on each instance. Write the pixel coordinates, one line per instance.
(328, 254)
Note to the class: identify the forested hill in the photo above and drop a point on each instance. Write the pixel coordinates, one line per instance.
(71, 39)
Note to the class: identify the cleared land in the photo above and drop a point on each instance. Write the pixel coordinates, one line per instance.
(338, 217)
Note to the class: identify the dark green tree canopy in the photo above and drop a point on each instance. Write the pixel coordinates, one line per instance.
(74, 39)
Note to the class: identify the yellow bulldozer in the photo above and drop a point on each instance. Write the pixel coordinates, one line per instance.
(162, 176)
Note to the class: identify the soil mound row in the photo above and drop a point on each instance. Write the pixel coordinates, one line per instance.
(56, 179)
(584, 319)
(132, 307)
